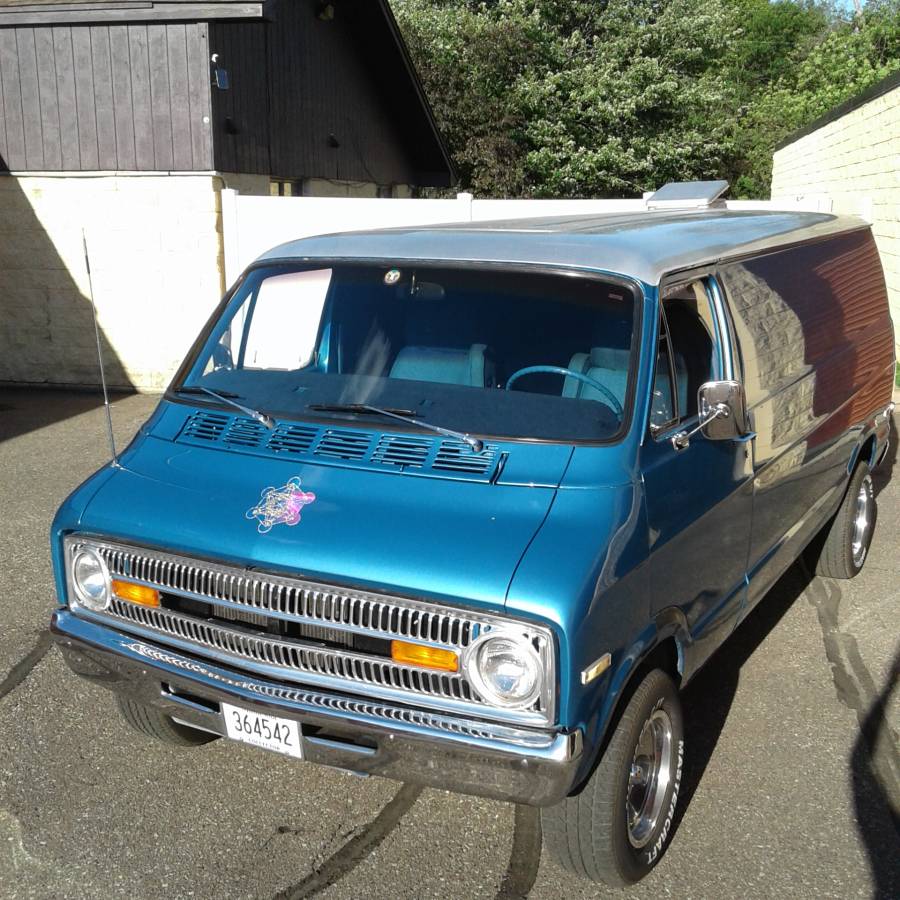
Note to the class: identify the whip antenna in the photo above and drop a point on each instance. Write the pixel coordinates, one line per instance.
(109, 427)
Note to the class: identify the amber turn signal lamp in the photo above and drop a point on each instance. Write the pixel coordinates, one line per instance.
(426, 657)
(135, 593)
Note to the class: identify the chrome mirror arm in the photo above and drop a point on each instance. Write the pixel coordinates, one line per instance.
(683, 439)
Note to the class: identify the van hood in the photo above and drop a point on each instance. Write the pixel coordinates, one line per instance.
(440, 538)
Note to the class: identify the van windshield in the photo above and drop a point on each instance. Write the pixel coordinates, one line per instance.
(488, 351)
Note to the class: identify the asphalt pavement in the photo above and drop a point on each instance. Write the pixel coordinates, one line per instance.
(792, 772)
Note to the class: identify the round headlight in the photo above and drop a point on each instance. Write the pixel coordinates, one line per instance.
(90, 578)
(505, 669)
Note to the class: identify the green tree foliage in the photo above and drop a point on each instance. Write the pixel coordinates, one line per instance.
(846, 59)
(773, 39)
(576, 98)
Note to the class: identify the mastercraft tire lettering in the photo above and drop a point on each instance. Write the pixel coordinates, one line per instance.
(618, 827)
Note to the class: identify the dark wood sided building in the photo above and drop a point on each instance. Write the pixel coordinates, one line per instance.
(297, 90)
(125, 121)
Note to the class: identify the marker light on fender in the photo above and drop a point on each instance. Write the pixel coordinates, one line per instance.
(135, 593)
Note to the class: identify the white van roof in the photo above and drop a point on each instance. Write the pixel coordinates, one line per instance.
(644, 245)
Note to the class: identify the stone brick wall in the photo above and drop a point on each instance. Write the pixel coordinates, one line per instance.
(854, 162)
(156, 259)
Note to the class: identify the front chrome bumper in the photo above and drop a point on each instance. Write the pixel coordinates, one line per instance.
(393, 741)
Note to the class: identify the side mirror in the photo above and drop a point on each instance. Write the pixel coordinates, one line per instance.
(723, 414)
(723, 410)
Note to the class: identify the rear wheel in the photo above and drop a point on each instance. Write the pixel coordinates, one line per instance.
(846, 541)
(155, 724)
(617, 829)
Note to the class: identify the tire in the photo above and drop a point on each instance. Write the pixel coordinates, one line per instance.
(596, 834)
(152, 723)
(847, 537)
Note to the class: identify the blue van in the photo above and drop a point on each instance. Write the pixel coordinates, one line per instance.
(467, 506)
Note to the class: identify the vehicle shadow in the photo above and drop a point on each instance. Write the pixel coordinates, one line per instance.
(875, 776)
(708, 698)
(874, 760)
(28, 409)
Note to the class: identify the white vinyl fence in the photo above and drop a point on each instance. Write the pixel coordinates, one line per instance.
(253, 225)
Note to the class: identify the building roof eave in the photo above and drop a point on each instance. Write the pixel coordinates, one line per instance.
(885, 86)
(423, 99)
(37, 12)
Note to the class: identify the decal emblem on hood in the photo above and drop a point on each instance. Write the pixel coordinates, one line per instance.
(280, 506)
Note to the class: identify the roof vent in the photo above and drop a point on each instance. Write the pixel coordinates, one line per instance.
(687, 195)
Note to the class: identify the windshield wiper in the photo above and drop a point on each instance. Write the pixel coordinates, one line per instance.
(405, 415)
(193, 389)
(360, 408)
(227, 398)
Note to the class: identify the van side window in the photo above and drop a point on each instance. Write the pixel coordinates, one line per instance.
(662, 405)
(687, 355)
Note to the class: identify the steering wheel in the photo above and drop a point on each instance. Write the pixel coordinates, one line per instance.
(569, 373)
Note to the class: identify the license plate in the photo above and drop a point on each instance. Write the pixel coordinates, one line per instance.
(269, 732)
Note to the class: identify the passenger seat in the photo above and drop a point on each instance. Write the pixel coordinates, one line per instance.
(445, 365)
(607, 365)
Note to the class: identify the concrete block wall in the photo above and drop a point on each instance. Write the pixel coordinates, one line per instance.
(854, 162)
(156, 258)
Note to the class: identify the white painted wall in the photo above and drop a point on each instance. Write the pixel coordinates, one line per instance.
(162, 249)
(155, 252)
(253, 225)
(853, 165)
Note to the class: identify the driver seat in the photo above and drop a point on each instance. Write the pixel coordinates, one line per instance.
(446, 365)
(608, 365)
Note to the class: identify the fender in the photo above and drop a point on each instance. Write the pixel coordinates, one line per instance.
(669, 623)
(869, 430)
(672, 622)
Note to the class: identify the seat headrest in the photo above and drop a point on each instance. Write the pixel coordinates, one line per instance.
(613, 358)
(441, 364)
(608, 365)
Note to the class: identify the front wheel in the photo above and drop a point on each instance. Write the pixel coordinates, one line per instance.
(156, 724)
(617, 829)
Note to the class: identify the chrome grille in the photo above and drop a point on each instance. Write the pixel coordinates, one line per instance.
(317, 612)
(295, 661)
(372, 614)
(329, 703)
(238, 615)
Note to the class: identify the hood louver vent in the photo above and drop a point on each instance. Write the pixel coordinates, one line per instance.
(292, 439)
(245, 433)
(206, 426)
(343, 444)
(402, 451)
(437, 457)
(456, 456)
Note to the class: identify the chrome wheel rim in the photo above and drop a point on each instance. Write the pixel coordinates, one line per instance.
(649, 778)
(862, 522)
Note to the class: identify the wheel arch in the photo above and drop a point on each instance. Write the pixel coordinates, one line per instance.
(664, 645)
(864, 451)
